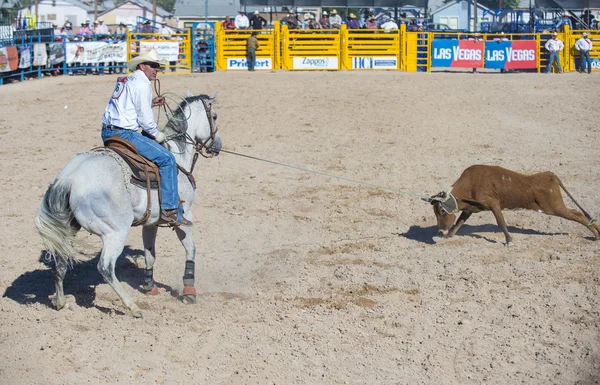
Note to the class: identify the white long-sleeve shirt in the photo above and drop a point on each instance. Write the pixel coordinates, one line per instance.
(130, 105)
(102, 29)
(242, 21)
(554, 45)
(164, 31)
(584, 44)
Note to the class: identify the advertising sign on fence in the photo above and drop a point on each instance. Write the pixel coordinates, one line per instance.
(9, 59)
(56, 53)
(24, 57)
(315, 63)
(167, 50)
(240, 63)
(375, 62)
(92, 52)
(40, 57)
(520, 54)
(457, 53)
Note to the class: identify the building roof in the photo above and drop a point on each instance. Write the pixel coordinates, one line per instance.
(215, 8)
(140, 3)
(479, 5)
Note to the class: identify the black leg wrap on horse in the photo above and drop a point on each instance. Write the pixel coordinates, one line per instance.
(188, 275)
(148, 279)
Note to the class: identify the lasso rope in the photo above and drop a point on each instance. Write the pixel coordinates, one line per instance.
(422, 197)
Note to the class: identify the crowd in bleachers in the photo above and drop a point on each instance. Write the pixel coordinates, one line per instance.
(327, 20)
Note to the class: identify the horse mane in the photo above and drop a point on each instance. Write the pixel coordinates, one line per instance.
(178, 122)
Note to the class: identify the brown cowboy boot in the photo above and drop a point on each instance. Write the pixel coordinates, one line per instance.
(169, 217)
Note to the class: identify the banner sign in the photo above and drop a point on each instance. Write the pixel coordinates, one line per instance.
(315, 63)
(24, 57)
(56, 53)
(9, 59)
(457, 53)
(595, 63)
(40, 57)
(375, 62)
(239, 63)
(518, 54)
(167, 50)
(92, 52)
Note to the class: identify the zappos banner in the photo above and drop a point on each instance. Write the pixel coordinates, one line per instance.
(457, 53)
(510, 54)
(239, 63)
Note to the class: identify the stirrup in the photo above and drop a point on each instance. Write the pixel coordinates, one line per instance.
(173, 219)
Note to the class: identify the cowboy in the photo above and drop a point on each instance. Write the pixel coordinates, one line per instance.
(164, 31)
(129, 108)
(372, 22)
(257, 21)
(324, 21)
(335, 20)
(352, 23)
(290, 20)
(241, 21)
(102, 29)
(251, 47)
(584, 45)
(554, 46)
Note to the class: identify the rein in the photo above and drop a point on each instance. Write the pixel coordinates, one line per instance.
(182, 136)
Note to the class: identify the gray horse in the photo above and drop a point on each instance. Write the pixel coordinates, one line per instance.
(93, 191)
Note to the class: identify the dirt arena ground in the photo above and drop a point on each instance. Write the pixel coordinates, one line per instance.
(306, 279)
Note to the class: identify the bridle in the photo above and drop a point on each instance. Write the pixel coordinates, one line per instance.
(180, 127)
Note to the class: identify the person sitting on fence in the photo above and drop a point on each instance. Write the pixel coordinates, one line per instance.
(146, 27)
(372, 22)
(228, 25)
(102, 28)
(584, 45)
(324, 21)
(85, 29)
(389, 26)
(121, 32)
(351, 22)
(257, 21)
(164, 31)
(554, 46)
(241, 21)
(312, 23)
(335, 20)
(291, 20)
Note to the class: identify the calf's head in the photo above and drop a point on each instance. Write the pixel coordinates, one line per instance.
(444, 206)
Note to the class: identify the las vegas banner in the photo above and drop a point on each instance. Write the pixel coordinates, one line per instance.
(520, 54)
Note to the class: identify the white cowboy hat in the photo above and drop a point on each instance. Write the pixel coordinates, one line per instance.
(324, 13)
(256, 12)
(554, 34)
(148, 56)
(100, 21)
(585, 34)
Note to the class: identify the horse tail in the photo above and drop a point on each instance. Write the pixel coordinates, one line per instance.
(56, 223)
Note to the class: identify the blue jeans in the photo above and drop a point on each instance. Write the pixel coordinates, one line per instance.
(251, 56)
(167, 167)
(553, 57)
(585, 61)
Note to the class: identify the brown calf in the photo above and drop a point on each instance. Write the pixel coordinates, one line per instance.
(492, 188)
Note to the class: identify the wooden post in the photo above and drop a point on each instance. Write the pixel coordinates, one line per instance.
(154, 9)
(95, 10)
(475, 16)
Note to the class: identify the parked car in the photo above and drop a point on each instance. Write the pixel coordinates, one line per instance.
(437, 27)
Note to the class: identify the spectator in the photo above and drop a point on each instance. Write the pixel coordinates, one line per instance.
(389, 26)
(372, 22)
(584, 45)
(251, 47)
(85, 29)
(554, 46)
(241, 21)
(257, 21)
(312, 23)
(164, 31)
(351, 22)
(324, 21)
(57, 31)
(402, 19)
(228, 24)
(565, 20)
(102, 28)
(121, 32)
(146, 27)
(335, 20)
(305, 20)
(290, 20)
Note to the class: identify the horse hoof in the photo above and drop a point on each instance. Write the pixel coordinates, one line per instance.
(57, 303)
(189, 295)
(137, 313)
(509, 244)
(189, 299)
(153, 292)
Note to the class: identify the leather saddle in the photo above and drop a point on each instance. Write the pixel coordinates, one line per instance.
(144, 173)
